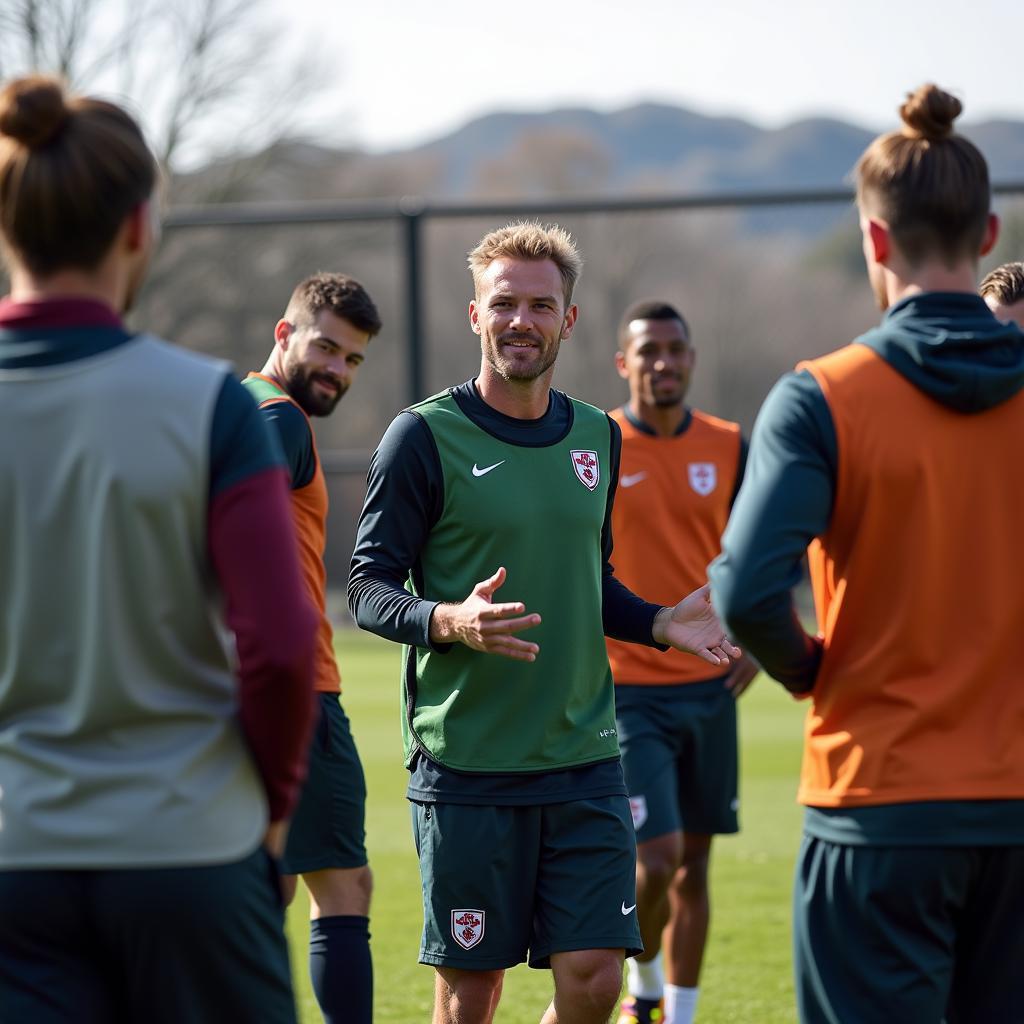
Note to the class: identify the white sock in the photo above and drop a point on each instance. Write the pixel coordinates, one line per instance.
(680, 1004)
(645, 979)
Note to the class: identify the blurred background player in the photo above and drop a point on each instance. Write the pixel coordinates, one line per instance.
(896, 458)
(520, 814)
(1003, 292)
(136, 770)
(676, 717)
(319, 345)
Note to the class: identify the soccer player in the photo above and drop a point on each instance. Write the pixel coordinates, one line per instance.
(675, 715)
(895, 458)
(1003, 292)
(319, 345)
(138, 769)
(505, 485)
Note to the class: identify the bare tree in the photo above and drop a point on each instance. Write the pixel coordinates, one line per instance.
(202, 74)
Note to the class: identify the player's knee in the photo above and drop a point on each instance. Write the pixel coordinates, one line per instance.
(657, 863)
(469, 995)
(592, 979)
(363, 881)
(692, 877)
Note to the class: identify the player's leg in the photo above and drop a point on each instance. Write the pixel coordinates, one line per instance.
(466, 997)
(198, 944)
(587, 986)
(704, 716)
(585, 914)
(988, 979)
(340, 965)
(478, 869)
(649, 747)
(51, 967)
(874, 931)
(326, 845)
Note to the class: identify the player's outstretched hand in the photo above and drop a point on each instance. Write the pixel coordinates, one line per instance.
(692, 626)
(481, 624)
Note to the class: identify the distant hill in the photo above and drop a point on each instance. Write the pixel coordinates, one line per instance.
(575, 151)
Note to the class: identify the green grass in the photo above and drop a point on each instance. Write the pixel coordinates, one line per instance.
(747, 970)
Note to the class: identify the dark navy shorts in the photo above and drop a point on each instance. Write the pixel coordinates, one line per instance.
(926, 933)
(202, 945)
(328, 829)
(503, 884)
(680, 757)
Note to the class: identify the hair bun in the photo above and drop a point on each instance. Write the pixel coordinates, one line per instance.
(929, 113)
(32, 110)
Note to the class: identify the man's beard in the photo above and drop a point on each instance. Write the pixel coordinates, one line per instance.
(299, 385)
(508, 369)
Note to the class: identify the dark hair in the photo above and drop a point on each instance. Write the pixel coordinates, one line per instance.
(345, 297)
(927, 183)
(1005, 284)
(649, 309)
(71, 170)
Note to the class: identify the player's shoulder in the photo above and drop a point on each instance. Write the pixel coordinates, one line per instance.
(714, 424)
(165, 357)
(582, 412)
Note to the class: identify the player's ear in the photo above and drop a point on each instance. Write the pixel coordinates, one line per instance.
(991, 235)
(282, 334)
(620, 364)
(569, 322)
(877, 240)
(474, 317)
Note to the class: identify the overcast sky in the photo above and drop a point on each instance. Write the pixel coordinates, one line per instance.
(402, 71)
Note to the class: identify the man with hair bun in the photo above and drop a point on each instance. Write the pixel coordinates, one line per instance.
(145, 782)
(319, 345)
(520, 814)
(1003, 292)
(893, 463)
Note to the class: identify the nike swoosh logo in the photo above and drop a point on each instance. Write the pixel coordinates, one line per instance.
(633, 478)
(483, 472)
(627, 910)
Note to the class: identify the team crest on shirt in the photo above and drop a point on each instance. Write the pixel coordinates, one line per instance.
(467, 927)
(703, 477)
(588, 470)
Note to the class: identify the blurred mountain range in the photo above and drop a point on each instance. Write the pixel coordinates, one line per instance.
(642, 149)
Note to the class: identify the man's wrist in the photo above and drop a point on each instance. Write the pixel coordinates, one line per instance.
(439, 627)
(659, 627)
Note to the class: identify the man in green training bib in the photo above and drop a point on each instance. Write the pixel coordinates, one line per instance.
(520, 813)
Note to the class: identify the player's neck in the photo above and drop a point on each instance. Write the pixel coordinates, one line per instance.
(664, 421)
(522, 400)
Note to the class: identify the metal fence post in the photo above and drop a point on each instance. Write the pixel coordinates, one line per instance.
(411, 212)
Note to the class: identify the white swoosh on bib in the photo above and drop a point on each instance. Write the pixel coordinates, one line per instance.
(486, 469)
(633, 478)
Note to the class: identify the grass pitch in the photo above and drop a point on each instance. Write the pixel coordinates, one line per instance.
(747, 967)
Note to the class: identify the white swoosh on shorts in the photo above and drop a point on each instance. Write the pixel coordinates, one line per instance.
(627, 910)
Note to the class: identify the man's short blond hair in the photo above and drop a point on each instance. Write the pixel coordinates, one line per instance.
(528, 240)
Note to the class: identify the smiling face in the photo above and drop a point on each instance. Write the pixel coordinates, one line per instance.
(657, 361)
(520, 314)
(319, 360)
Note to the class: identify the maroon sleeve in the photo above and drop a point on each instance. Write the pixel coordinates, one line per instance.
(253, 551)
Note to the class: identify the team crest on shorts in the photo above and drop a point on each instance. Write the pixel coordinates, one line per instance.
(703, 477)
(588, 471)
(467, 927)
(638, 808)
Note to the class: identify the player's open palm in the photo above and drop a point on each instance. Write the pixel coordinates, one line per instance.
(692, 626)
(485, 625)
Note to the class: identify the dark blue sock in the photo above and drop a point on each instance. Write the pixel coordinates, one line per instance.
(341, 968)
